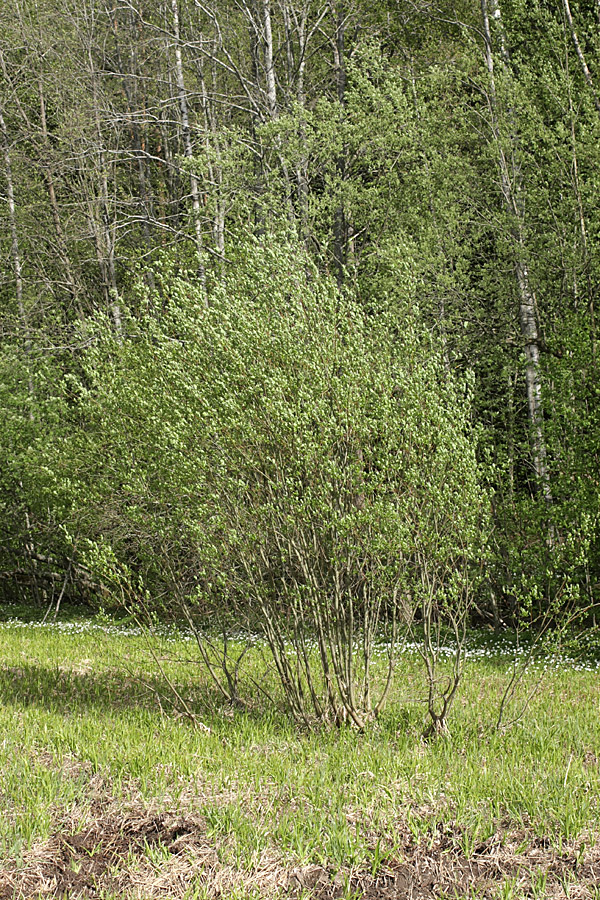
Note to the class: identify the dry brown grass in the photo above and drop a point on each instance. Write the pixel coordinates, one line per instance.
(142, 851)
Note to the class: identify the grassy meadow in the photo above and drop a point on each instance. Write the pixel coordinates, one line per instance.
(107, 790)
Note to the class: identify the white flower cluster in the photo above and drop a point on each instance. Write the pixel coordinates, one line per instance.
(498, 648)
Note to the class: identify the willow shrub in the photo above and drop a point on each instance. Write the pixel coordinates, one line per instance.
(286, 448)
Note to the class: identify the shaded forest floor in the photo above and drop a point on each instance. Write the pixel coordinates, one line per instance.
(105, 792)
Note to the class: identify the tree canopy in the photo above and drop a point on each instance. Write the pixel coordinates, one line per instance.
(292, 275)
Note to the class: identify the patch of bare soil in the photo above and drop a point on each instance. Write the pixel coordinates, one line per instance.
(134, 853)
(143, 853)
(438, 867)
(82, 863)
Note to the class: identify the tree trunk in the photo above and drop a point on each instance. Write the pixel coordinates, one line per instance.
(129, 81)
(512, 194)
(74, 288)
(15, 250)
(12, 219)
(268, 54)
(580, 54)
(187, 141)
(340, 225)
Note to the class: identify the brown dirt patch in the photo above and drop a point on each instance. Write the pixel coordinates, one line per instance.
(438, 867)
(134, 853)
(146, 853)
(96, 858)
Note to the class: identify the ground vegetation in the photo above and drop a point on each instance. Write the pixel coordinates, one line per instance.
(298, 333)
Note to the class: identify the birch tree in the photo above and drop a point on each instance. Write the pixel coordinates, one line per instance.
(12, 220)
(581, 55)
(505, 134)
(187, 138)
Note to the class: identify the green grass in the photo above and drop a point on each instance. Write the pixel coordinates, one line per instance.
(79, 708)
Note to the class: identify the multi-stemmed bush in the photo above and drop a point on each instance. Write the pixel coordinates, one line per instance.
(284, 455)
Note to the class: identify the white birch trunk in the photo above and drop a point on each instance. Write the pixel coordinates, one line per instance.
(74, 288)
(512, 193)
(268, 55)
(580, 54)
(104, 225)
(12, 219)
(14, 246)
(340, 225)
(187, 141)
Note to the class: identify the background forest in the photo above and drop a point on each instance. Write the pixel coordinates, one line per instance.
(298, 310)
